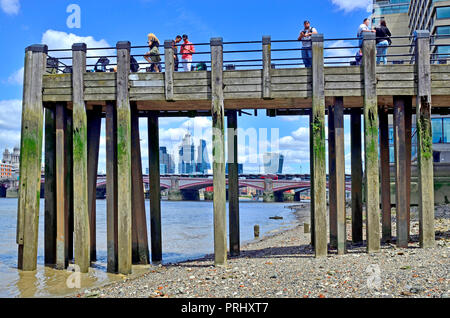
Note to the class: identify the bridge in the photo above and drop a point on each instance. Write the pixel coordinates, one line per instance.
(75, 101)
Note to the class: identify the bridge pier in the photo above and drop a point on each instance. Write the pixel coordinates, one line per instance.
(190, 195)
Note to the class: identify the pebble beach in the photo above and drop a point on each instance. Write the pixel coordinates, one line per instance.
(283, 265)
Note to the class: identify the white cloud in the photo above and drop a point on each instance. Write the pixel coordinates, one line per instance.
(16, 78)
(10, 7)
(350, 5)
(10, 122)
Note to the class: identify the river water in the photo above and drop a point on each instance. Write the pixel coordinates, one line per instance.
(187, 234)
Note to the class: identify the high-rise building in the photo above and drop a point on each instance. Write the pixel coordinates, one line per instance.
(273, 163)
(166, 163)
(395, 13)
(186, 152)
(202, 165)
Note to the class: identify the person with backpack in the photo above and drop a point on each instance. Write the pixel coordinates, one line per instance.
(186, 51)
(383, 40)
(153, 56)
(305, 37)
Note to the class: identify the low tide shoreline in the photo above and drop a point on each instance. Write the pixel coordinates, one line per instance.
(282, 264)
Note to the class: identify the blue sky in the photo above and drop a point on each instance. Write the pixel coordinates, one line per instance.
(25, 22)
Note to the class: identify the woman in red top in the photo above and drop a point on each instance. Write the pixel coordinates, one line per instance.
(186, 50)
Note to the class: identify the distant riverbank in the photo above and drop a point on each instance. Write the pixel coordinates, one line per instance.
(282, 265)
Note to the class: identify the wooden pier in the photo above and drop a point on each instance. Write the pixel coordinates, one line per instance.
(75, 103)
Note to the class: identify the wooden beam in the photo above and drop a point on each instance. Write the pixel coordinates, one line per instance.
(80, 183)
(311, 168)
(169, 69)
(357, 175)
(332, 195)
(400, 171)
(61, 211)
(219, 183)
(267, 67)
(139, 221)
(233, 183)
(123, 158)
(424, 140)
(341, 232)
(68, 158)
(385, 175)
(111, 187)
(50, 189)
(155, 187)
(318, 148)
(30, 157)
(372, 195)
(408, 148)
(94, 122)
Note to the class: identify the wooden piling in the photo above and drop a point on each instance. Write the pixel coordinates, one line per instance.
(233, 183)
(372, 195)
(357, 175)
(400, 171)
(94, 122)
(311, 168)
(61, 211)
(140, 252)
(155, 187)
(50, 189)
(111, 187)
(80, 182)
(408, 148)
(318, 146)
(69, 180)
(219, 183)
(30, 157)
(267, 67)
(332, 195)
(385, 175)
(169, 60)
(424, 140)
(123, 158)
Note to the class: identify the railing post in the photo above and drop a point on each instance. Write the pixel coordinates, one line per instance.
(424, 140)
(30, 157)
(233, 183)
(357, 175)
(318, 173)
(169, 69)
(124, 158)
(217, 111)
(371, 144)
(267, 61)
(80, 179)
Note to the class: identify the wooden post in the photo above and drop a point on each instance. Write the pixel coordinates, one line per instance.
(155, 187)
(123, 158)
(94, 122)
(50, 188)
(219, 183)
(169, 69)
(332, 196)
(80, 182)
(69, 180)
(385, 175)
(408, 146)
(318, 146)
(424, 140)
(267, 62)
(139, 221)
(341, 232)
(371, 144)
(233, 183)
(30, 157)
(111, 187)
(400, 171)
(311, 168)
(61, 211)
(357, 175)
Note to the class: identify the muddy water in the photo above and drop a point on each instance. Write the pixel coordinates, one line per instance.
(187, 234)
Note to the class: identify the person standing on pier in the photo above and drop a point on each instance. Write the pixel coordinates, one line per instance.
(305, 37)
(175, 52)
(364, 27)
(153, 56)
(186, 51)
(383, 41)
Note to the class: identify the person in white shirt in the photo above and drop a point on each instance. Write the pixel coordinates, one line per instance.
(305, 37)
(365, 27)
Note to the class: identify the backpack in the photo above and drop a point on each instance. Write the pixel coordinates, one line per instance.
(134, 65)
(201, 67)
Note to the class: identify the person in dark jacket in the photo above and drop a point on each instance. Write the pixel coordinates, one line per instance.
(383, 36)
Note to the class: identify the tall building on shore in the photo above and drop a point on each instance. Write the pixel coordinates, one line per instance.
(186, 164)
(12, 158)
(273, 163)
(166, 164)
(202, 165)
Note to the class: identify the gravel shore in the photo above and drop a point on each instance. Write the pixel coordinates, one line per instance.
(283, 265)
